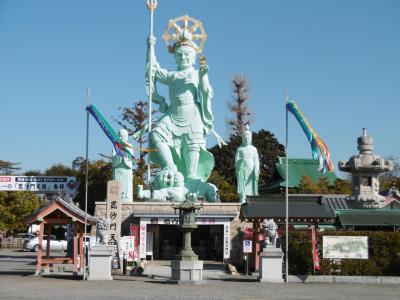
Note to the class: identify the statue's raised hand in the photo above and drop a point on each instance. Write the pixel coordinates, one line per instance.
(203, 70)
(151, 40)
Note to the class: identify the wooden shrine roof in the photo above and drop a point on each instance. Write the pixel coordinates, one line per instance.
(57, 208)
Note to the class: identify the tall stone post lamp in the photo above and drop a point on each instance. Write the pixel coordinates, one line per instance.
(186, 267)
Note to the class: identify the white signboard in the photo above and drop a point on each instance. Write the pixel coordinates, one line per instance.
(40, 184)
(114, 211)
(352, 247)
(227, 240)
(175, 221)
(247, 246)
(127, 247)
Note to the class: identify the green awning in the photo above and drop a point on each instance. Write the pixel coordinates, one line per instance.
(361, 217)
(300, 226)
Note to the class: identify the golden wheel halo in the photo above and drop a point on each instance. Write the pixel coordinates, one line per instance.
(176, 27)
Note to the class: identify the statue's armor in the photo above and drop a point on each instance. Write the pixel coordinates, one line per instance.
(182, 122)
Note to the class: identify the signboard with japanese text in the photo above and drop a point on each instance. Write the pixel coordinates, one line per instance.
(342, 247)
(225, 222)
(127, 248)
(114, 211)
(227, 240)
(40, 184)
(247, 246)
(175, 221)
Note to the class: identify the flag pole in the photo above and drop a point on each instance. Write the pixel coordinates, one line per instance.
(86, 181)
(287, 193)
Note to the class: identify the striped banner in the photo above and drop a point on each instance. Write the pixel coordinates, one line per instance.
(121, 148)
(318, 147)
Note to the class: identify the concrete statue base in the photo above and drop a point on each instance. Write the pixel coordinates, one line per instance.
(100, 263)
(271, 264)
(187, 271)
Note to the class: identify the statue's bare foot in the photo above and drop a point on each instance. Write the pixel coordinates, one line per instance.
(193, 177)
(140, 192)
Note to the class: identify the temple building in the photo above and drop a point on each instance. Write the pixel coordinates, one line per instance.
(222, 226)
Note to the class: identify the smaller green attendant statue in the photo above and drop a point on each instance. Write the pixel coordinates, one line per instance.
(122, 169)
(247, 167)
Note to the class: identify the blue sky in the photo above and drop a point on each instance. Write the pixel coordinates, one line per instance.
(339, 60)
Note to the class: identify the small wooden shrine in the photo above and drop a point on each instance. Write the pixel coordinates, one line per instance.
(60, 212)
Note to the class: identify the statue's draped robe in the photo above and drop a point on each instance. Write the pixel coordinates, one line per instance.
(247, 171)
(186, 121)
(122, 172)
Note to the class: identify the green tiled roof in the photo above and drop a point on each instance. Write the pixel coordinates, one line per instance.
(367, 217)
(298, 167)
(273, 206)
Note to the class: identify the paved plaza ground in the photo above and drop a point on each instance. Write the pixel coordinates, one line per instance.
(16, 283)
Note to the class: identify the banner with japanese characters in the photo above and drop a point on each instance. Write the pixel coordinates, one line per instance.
(40, 184)
(314, 248)
(134, 228)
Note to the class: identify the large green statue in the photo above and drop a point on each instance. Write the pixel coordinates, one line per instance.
(179, 136)
(247, 167)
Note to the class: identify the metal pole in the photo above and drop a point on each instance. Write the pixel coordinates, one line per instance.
(287, 193)
(151, 5)
(86, 182)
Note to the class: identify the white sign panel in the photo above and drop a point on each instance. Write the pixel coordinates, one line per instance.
(114, 211)
(143, 240)
(227, 240)
(175, 221)
(40, 184)
(247, 246)
(127, 247)
(351, 247)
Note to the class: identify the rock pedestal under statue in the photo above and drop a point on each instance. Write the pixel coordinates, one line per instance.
(100, 263)
(271, 264)
(271, 257)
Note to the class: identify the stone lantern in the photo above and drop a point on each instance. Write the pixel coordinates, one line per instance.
(365, 169)
(187, 223)
(186, 267)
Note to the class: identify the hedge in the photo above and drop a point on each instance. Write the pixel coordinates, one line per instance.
(384, 254)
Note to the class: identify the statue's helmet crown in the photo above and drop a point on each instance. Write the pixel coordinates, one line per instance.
(246, 132)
